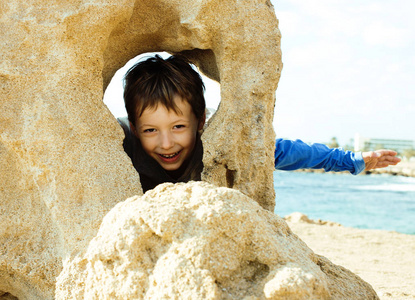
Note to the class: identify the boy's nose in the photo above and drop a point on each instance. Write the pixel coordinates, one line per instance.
(166, 141)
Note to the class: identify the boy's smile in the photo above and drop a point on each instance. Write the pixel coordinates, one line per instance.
(167, 137)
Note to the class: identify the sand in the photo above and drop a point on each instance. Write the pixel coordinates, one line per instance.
(384, 259)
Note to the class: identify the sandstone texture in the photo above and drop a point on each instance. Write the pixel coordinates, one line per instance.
(62, 162)
(197, 241)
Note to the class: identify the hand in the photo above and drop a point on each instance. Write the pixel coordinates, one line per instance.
(379, 159)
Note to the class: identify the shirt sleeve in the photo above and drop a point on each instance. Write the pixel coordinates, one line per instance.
(293, 155)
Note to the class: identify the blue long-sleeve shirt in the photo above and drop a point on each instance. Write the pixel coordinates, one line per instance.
(293, 155)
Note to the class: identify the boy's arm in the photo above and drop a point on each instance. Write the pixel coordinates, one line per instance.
(293, 155)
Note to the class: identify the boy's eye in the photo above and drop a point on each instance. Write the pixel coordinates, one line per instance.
(179, 126)
(149, 130)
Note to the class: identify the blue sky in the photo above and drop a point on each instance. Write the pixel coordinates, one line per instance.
(349, 67)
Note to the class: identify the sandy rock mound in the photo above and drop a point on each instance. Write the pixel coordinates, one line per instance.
(197, 241)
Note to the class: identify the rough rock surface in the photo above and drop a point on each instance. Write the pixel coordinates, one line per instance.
(197, 241)
(62, 163)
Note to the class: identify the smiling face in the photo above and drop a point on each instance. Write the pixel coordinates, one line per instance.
(166, 136)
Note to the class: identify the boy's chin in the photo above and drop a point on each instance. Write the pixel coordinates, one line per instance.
(179, 166)
(170, 168)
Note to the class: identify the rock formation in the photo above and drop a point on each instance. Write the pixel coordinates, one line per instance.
(197, 241)
(63, 166)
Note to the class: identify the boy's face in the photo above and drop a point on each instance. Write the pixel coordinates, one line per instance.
(167, 137)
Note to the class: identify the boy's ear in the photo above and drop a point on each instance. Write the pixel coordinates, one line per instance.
(133, 129)
(202, 121)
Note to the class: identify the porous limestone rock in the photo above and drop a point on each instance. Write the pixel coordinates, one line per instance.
(198, 241)
(63, 166)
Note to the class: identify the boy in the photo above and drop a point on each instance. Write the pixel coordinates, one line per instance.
(166, 114)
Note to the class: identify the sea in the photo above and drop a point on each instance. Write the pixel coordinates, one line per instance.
(378, 201)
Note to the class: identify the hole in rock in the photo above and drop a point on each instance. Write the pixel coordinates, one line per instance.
(113, 96)
(176, 150)
(249, 276)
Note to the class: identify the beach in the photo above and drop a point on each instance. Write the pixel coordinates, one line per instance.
(404, 168)
(384, 259)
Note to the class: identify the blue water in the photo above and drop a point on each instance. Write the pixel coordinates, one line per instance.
(365, 201)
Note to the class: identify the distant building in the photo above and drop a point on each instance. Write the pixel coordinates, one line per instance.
(368, 144)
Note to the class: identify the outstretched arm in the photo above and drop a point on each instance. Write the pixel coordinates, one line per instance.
(380, 159)
(293, 155)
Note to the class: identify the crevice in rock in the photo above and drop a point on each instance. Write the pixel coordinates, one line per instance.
(248, 280)
(258, 271)
(7, 296)
(230, 177)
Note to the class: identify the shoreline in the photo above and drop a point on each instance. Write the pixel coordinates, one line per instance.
(404, 168)
(384, 259)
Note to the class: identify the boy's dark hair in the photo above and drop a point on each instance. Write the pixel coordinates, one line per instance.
(156, 81)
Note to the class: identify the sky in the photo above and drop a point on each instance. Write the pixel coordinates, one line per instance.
(349, 67)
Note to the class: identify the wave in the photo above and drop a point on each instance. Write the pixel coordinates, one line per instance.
(407, 179)
(388, 187)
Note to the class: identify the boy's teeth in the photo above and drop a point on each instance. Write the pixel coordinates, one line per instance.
(169, 156)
